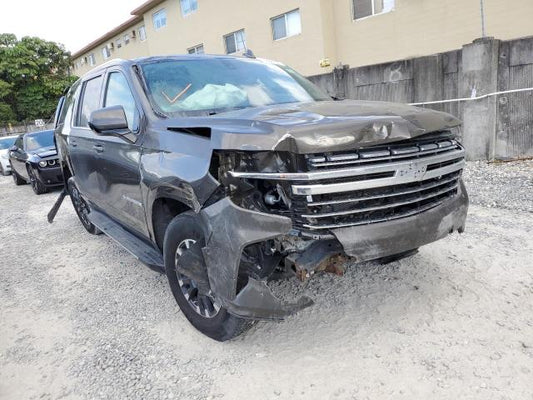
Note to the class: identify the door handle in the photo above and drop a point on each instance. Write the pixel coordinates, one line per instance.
(98, 148)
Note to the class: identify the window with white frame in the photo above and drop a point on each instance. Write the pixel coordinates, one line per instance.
(196, 49)
(126, 38)
(118, 43)
(106, 52)
(92, 60)
(188, 6)
(288, 24)
(142, 33)
(367, 8)
(235, 42)
(160, 19)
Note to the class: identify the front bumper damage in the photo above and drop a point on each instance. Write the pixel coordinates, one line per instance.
(230, 228)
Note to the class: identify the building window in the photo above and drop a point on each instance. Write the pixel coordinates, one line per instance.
(235, 42)
(126, 39)
(106, 52)
(188, 6)
(118, 43)
(142, 33)
(288, 24)
(160, 19)
(196, 49)
(367, 8)
(92, 60)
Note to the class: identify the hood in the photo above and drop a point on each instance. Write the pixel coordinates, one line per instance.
(319, 126)
(45, 152)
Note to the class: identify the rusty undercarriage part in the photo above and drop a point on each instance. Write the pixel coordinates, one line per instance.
(324, 255)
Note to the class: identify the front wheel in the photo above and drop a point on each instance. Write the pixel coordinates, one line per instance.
(36, 184)
(202, 310)
(82, 208)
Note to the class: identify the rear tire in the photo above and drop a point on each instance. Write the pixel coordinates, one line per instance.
(82, 208)
(203, 313)
(18, 179)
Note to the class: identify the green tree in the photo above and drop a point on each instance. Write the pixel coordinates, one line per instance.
(33, 75)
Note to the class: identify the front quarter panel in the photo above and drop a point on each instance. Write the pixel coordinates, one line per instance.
(175, 165)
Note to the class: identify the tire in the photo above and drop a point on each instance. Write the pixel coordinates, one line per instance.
(36, 185)
(82, 208)
(2, 171)
(220, 325)
(18, 179)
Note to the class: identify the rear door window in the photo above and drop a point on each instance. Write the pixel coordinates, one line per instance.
(90, 101)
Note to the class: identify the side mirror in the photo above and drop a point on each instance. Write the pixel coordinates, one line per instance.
(14, 149)
(109, 121)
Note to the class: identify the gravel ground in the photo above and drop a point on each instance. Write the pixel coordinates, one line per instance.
(82, 319)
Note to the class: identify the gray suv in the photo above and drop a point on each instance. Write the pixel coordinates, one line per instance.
(227, 172)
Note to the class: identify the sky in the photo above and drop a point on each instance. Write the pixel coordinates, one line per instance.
(74, 23)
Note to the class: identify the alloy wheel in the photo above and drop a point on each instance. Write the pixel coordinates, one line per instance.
(204, 305)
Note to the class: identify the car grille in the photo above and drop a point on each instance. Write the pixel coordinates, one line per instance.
(367, 206)
(421, 175)
(371, 185)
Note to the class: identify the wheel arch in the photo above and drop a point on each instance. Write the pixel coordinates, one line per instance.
(163, 210)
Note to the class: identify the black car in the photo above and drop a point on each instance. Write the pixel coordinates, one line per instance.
(227, 172)
(34, 160)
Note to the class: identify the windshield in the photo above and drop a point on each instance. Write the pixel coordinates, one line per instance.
(220, 84)
(6, 143)
(37, 140)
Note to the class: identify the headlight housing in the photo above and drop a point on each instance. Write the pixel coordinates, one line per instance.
(42, 163)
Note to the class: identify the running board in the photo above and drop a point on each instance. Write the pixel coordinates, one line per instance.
(135, 246)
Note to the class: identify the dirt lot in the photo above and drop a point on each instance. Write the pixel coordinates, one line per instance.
(82, 319)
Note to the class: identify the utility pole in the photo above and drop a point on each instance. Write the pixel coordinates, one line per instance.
(482, 10)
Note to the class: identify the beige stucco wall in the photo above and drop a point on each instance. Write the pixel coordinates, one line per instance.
(216, 18)
(423, 27)
(413, 28)
(135, 48)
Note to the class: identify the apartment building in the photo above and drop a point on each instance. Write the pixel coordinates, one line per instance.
(312, 36)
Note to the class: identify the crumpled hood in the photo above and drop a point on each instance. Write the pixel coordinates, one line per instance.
(319, 126)
(45, 152)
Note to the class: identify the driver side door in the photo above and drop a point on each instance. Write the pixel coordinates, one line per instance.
(119, 168)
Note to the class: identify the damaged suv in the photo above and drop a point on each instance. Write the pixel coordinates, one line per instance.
(225, 172)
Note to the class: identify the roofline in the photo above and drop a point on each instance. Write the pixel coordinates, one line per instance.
(146, 6)
(130, 22)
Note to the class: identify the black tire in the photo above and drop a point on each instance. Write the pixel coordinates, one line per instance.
(18, 179)
(4, 173)
(82, 208)
(36, 185)
(222, 326)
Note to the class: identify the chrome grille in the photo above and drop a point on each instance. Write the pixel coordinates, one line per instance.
(370, 185)
(367, 206)
(400, 152)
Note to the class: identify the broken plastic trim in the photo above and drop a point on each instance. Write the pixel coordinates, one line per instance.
(229, 229)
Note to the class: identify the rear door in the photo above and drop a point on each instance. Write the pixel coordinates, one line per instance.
(82, 141)
(120, 157)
